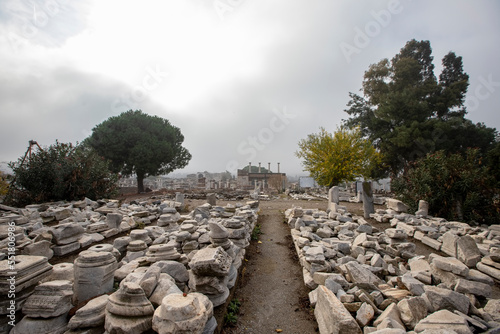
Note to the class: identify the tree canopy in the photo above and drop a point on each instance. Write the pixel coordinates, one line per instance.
(406, 112)
(339, 157)
(141, 144)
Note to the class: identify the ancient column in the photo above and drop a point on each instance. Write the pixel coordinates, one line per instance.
(368, 207)
(93, 274)
(333, 198)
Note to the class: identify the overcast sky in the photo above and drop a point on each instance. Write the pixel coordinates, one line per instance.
(244, 80)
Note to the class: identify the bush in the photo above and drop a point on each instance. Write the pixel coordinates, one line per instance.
(457, 187)
(61, 172)
(4, 185)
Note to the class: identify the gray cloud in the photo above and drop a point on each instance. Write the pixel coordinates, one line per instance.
(304, 72)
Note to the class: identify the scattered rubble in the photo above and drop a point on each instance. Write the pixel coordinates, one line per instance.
(371, 281)
(167, 274)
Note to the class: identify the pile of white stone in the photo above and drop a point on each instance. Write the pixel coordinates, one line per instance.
(371, 281)
(166, 275)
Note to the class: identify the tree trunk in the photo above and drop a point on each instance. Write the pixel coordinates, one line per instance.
(140, 183)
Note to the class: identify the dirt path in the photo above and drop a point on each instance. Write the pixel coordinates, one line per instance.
(271, 289)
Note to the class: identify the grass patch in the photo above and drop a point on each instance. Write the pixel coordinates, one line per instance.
(256, 232)
(231, 317)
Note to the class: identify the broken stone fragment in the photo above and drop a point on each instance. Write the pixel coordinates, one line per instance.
(443, 319)
(365, 314)
(331, 315)
(67, 233)
(412, 310)
(50, 299)
(444, 299)
(211, 262)
(128, 310)
(390, 317)
(90, 315)
(359, 274)
(56, 325)
(166, 286)
(449, 264)
(180, 313)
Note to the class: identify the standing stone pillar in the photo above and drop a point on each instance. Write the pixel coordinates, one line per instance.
(368, 199)
(179, 198)
(94, 274)
(211, 199)
(423, 208)
(333, 198)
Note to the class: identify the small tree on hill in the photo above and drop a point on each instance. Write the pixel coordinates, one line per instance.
(339, 157)
(137, 143)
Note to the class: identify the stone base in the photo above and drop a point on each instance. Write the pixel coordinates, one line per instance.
(55, 325)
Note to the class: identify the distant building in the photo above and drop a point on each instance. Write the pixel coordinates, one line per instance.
(253, 177)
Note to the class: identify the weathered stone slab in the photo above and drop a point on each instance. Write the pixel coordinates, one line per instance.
(412, 310)
(50, 299)
(359, 274)
(493, 308)
(491, 271)
(450, 244)
(391, 312)
(57, 325)
(90, 315)
(66, 249)
(451, 264)
(66, 233)
(467, 251)
(396, 205)
(443, 319)
(28, 270)
(475, 288)
(433, 243)
(413, 285)
(365, 314)
(331, 315)
(440, 299)
(211, 262)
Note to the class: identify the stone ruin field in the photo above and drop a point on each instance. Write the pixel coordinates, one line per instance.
(171, 265)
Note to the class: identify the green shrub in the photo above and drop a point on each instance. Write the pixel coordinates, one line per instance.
(256, 232)
(61, 172)
(457, 187)
(4, 185)
(231, 317)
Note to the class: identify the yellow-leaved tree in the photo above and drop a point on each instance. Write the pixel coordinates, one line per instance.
(339, 157)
